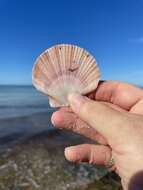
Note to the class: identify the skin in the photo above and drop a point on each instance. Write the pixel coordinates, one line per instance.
(112, 116)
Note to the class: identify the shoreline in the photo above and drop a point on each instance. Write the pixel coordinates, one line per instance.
(32, 157)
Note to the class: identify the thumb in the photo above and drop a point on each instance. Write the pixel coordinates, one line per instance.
(103, 118)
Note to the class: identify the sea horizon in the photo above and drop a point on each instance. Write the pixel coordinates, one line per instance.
(17, 85)
(21, 100)
(23, 111)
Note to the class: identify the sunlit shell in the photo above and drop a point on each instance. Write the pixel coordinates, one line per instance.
(65, 69)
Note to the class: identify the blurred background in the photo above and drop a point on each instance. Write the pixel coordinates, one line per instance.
(31, 150)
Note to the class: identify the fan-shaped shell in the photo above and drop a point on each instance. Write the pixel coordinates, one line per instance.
(64, 69)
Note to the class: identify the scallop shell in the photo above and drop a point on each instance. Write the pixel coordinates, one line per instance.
(65, 69)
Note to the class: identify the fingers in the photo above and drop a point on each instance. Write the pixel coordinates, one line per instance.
(66, 119)
(115, 107)
(121, 94)
(94, 154)
(105, 91)
(103, 118)
(138, 107)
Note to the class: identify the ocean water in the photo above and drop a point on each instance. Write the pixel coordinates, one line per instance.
(16, 101)
(24, 112)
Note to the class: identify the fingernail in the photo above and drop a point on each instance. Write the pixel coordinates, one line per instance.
(52, 121)
(69, 154)
(76, 100)
(67, 149)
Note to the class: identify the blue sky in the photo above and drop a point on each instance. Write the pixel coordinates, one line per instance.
(111, 30)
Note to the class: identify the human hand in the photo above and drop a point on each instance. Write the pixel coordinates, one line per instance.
(115, 120)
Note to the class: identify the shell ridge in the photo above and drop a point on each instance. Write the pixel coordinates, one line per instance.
(63, 69)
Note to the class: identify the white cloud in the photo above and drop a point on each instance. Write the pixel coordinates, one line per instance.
(137, 40)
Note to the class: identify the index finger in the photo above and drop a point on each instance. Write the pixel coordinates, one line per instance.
(121, 94)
